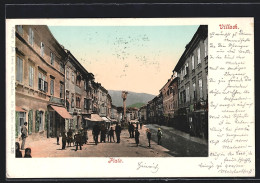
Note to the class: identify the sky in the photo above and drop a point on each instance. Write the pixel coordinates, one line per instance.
(132, 58)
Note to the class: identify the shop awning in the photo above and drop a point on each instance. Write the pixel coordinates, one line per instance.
(105, 119)
(62, 112)
(19, 109)
(94, 117)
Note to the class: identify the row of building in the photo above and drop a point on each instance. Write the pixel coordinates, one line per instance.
(54, 92)
(183, 101)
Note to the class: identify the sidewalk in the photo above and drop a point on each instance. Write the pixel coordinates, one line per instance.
(180, 133)
(47, 147)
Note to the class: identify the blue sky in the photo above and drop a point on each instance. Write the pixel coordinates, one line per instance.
(133, 58)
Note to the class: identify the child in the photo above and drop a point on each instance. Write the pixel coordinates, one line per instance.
(27, 153)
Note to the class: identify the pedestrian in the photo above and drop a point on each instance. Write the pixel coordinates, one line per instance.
(95, 133)
(64, 139)
(137, 134)
(118, 132)
(69, 137)
(58, 137)
(85, 136)
(149, 134)
(78, 140)
(132, 130)
(159, 135)
(141, 124)
(103, 133)
(27, 153)
(129, 129)
(18, 153)
(137, 125)
(24, 135)
(111, 134)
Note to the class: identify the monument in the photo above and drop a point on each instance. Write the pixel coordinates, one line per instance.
(124, 96)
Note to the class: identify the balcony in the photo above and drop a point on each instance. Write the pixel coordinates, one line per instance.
(56, 100)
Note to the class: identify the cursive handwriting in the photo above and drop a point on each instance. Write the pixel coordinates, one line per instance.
(154, 167)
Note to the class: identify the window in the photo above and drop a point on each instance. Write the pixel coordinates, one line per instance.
(31, 36)
(67, 73)
(31, 75)
(61, 90)
(78, 102)
(19, 69)
(42, 49)
(52, 58)
(192, 62)
(19, 29)
(85, 103)
(52, 87)
(21, 117)
(200, 88)
(78, 80)
(67, 94)
(85, 85)
(206, 48)
(41, 121)
(72, 77)
(72, 100)
(198, 52)
(194, 90)
(61, 67)
(187, 93)
(42, 84)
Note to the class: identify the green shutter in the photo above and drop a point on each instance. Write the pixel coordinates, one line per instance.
(30, 121)
(16, 124)
(46, 120)
(37, 114)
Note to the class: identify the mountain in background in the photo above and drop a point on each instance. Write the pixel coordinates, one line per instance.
(132, 98)
(137, 105)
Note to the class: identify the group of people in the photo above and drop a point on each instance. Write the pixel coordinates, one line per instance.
(78, 139)
(18, 152)
(24, 135)
(106, 133)
(134, 133)
(149, 136)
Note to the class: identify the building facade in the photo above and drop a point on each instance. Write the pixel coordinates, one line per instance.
(39, 81)
(192, 69)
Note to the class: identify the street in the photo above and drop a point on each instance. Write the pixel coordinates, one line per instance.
(174, 143)
(180, 144)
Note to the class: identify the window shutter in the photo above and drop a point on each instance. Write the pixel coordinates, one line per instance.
(32, 37)
(39, 83)
(37, 116)
(45, 86)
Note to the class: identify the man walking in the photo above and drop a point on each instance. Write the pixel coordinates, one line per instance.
(137, 134)
(24, 135)
(159, 135)
(118, 131)
(78, 139)
(148, 133)
(95, 133)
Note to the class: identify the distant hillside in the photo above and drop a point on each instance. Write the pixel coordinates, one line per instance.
(132, 98)
(137, 105)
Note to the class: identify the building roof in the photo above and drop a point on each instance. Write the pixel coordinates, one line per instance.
(201, 33)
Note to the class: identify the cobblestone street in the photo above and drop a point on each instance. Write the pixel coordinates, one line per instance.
(126, 148)
(174, 143)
